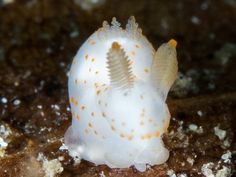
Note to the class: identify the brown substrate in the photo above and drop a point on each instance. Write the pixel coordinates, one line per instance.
(38, 40)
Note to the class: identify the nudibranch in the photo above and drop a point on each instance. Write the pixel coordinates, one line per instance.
(118, 86)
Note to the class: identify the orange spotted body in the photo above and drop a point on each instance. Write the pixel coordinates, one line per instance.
(119, 111)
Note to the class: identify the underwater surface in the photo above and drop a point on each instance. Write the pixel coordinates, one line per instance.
(38, 40)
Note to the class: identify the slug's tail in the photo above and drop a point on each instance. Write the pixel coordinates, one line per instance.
(165, 67)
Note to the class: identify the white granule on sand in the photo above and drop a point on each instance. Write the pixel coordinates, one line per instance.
(5, 132)
(227, 157)
(182, 175)
(3, 146)
(4, 100)
(101, 174)
(190, 161)
(7, 1)
(199, 113)
(207, 169)
(74, 154)
(219, 132)
(224, 172)
(50, 167)
(226, 143)
(195, 128)
(171, 173)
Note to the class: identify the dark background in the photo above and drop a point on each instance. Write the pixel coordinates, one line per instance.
(38, 40)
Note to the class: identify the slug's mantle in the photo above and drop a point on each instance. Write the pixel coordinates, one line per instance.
(118, 85)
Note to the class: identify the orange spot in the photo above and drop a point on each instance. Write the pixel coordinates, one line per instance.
(115, 45)
(76, 81)
(86, 57)
(137, 46)
(122, 135)
(93, 60)
(113, 128)
(92, 114)
(98, 92)
(146, 70)
(157, 134)
(90, 125)
(148, 135)
(91, 42)
(166, 125)
(85, 81)
(142, 137)
(172, 43)
(76, 103)
(103, 114)
(72, 99)
(78, 117)
(130, 137)
(83, 107)
(96, 85)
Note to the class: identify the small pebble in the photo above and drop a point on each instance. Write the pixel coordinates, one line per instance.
(16, 102)
(4, 100)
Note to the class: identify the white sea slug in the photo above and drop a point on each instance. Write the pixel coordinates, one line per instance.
(118, 85)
